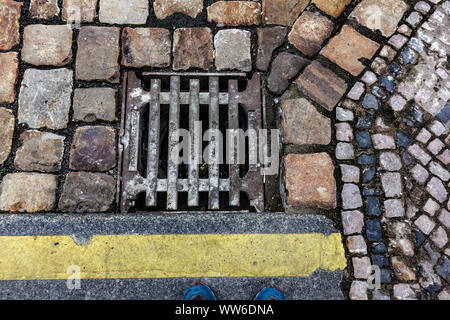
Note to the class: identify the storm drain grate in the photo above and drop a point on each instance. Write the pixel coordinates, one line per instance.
(155, 107)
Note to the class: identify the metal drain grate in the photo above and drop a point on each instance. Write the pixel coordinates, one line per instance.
(142, 142)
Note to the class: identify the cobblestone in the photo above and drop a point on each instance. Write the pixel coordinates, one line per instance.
(44, 99)
(352, 222)
(10, 12)
(47, 45)
(43, 9)
(123, 11)
(40, 151)
(146, 47)
(87, 192)
(235, 13)
(28, 192)
(79, 10)
(233, 50)
(309, 180)
(92, 104)
(7, 123)
(269, 39)
(282, 12)
(166, 8)
(193, 48)
(9, 69)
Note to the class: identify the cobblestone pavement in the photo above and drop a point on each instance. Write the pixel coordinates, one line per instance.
(359, 90)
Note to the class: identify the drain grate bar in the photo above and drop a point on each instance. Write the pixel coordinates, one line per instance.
(148, 164)
(174, 121)
(233, 125)
(153, 142)
(213, 201)
(194, 117)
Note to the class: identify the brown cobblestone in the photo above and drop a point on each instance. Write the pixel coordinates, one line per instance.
(283, 12)
(93, 149)
(309, 180)
(79, 10)
(268, 40)
(303, 125)
(309, 32)
(346, 48)
(7, 122)
(9, 70)
(43, 9)
(9, 23)
(333, 8)
(166, 8)
(322, 85)
(40, 151)
(235, 13)
(98, 54)
(146, 47)
(47, 45)
(193, 48)
(28, 192)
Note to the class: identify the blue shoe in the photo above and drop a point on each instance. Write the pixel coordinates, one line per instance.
(270, 294)
(199, 292)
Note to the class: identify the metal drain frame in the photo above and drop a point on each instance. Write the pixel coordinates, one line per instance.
(131, 183)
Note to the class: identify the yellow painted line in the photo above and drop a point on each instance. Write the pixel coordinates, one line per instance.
(170, 256)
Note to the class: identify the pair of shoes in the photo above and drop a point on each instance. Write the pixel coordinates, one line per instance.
(203, 292)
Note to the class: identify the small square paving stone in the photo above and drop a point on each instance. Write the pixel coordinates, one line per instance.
(92, 104)
(383, 15)
(437, 128)
(302, 124)
(403, 291)
(356, 92)
(444, 218)
(45, 45)
(394, 208)
(86, 192)
(350, 173)
(321, 85)
(282, 12)
(123, 11)
(419, 173)
(382, 142)
(388, 52)
(333, 8)
(418, 153)
(440, 237)
(379, 66)
(361, 267)
(439, 171)
(146, 47)
(44, 98)
(351, 196)
(356, 244)
(374, 231)
(392, 184)
(235, 13)
(344, 132)
(28, 192)
(435, 146)
(369, 77)
(40, 151)
(348, 47)
(93, 149)
(309, 32)
(309, 180)
(397, 41)
(431, 207)
(9, 70)
(345, 151)
(425, 224)
(358, 290)
(7, 122)
(193, 48)
(444, 157)
(79, 10)
(43, 9)
(233, 50)
(344, 114)
(423, 136)
(437, 190)
(390, 161)
(373, 206)
(98, 54)
(397, 102)
(352, 222)
(9, 23)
